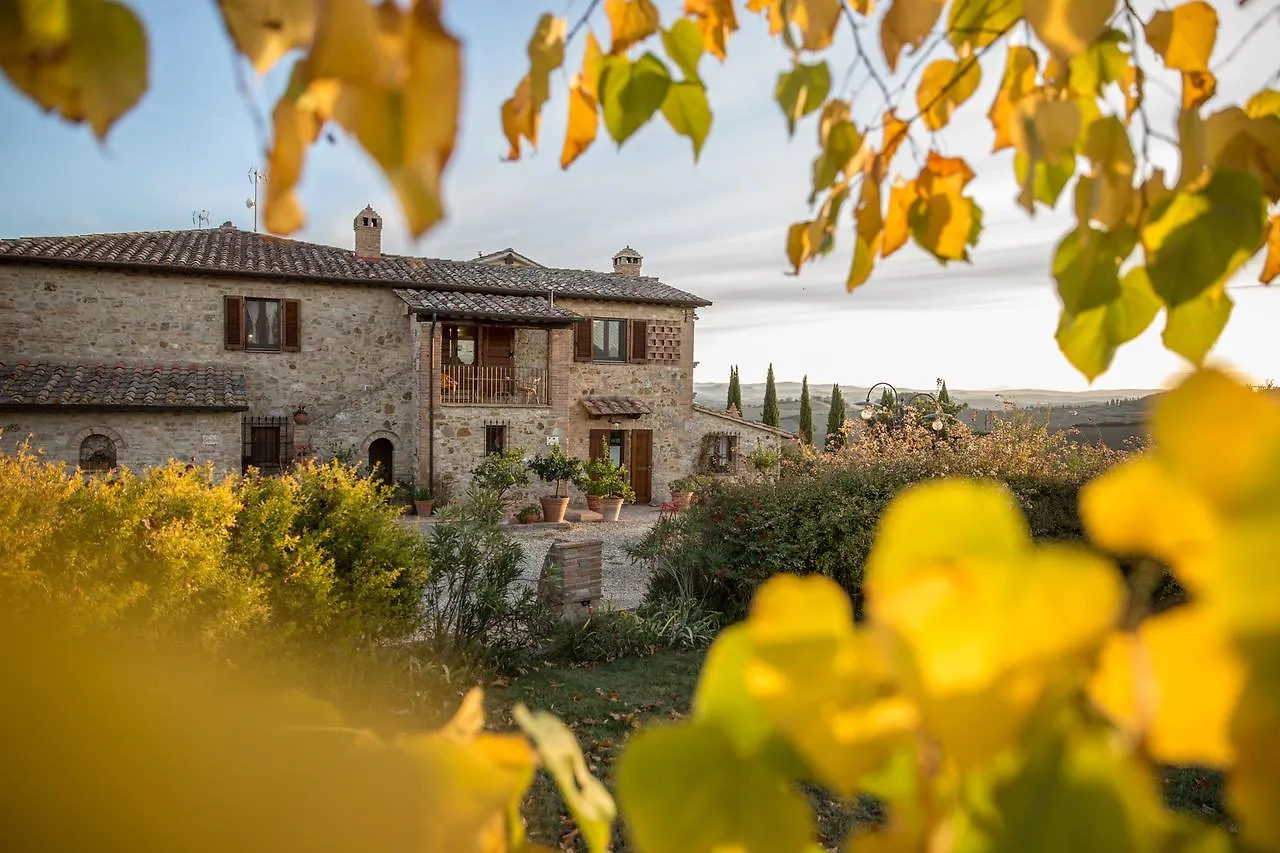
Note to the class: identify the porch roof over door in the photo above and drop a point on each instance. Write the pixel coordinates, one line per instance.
(489, 307)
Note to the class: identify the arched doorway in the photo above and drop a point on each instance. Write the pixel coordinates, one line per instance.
(381, 465)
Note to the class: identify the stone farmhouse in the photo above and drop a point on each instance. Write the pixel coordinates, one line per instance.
(241, 349)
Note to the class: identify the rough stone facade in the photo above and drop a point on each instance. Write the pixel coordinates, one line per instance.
(141, 439)
(355, 369)
(747, 435)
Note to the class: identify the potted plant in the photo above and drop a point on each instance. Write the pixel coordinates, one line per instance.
(594, 480)
(682, 489)
(616, 490)
(528, 514)
(300, 416)
(422, 502)
(557, 468)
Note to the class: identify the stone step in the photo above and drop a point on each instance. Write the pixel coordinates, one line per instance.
(582, 515)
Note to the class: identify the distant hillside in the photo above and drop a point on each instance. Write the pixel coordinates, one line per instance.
(1112, 416)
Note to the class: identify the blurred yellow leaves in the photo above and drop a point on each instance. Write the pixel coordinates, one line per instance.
(943, 220)
(586, 796)
(264, 34)
(814, 19)
(631, 22)
(84, 59)
(584, 104)
(983, 621)
(1019, 81)
(1184, 36)
(944, 86)
(717, 21)
(522, 112)
(907, 24)
(1068, 27)
(391, 77)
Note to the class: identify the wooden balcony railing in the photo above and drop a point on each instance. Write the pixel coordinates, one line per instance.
(507, 386)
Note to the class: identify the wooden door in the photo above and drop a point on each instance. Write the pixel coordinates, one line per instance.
(642, 464)
(599, 444)
(499, 346)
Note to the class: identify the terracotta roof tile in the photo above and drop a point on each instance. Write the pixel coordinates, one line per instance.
(606, 406)
(44, 384)
(459, 305)
(229, 251)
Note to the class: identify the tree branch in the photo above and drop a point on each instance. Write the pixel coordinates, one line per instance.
(582, 21)
(1246, 38)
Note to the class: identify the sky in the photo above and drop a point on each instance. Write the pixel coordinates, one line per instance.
(715, 227)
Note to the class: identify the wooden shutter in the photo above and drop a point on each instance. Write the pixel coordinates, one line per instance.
(638, 341)
(291, 336)
(599, 440)
(233, 322)
(582, 340)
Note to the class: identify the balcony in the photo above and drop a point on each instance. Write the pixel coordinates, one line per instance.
(473, 385)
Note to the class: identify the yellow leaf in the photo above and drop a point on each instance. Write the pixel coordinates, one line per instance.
(297, 120)
(586, 796)
(1184, 36)
(821, 681)
(895, 133)
(546, 53)
(266, 33)
(1197, 87)
(1264, 102)
(717, 21)
(592, 63)
(944, 86)
(632, 21)
(943, 221)
(584, 121)
(800, 246)
(87, 64)
(869, 233)
(833, 113)
(902, 196)
(346, 42)
(1019, 81)
(907, 24)
(1068, 27)
(816, 20)
(1234, 140)
(1271, 268)
(1112, 166)
(519, 118)
(1177, 681)
(1046, 130)
(974, 24)
(978, 619)
(1140, 507)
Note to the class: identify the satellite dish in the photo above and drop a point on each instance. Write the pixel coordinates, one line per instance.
(249, 204)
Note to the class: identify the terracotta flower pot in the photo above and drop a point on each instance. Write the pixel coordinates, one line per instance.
(610, 508)
(424, 507)
(593, 503)
(301, 418)
(681, 499)
(554, 508)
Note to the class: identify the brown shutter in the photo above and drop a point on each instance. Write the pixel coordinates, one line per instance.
(233, 322)
(599, 440)
(292, 336)
(582, 340)
(638, 341)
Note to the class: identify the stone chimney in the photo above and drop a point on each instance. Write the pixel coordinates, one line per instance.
(627, 262)
(368, 225)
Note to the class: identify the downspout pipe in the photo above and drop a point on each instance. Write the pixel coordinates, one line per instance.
(431, 405)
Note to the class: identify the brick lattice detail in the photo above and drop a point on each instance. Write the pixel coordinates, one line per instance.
(664, 341)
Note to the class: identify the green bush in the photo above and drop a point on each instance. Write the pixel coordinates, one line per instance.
(290, 569)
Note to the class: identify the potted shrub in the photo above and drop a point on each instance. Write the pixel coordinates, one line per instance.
(300, 416)
(528, 514)
(682, 489)
(616, 490)
(557, 468)
(594, 480)
(502, 473)
(422, 502)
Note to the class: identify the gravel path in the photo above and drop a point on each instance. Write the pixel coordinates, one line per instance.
(623, 583)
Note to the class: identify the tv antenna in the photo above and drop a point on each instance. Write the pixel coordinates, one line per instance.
(256, 176)
(200, 218)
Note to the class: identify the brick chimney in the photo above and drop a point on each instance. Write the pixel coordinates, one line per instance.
(627, 262)
(368, 226)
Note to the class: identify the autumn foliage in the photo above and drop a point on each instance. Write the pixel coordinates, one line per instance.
(1002, 694)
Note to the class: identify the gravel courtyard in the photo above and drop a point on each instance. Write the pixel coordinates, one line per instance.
(624, 583)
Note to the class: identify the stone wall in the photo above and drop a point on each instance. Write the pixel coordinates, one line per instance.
(355, 370)
(142, 439)
(749, 434)
(665, 383)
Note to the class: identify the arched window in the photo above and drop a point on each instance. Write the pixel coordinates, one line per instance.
(97, 453)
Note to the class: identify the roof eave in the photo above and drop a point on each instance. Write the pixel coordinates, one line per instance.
(119, 407)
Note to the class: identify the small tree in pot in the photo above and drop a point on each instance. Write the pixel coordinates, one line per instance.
(558, 468)
(682, 489)
(606, 482)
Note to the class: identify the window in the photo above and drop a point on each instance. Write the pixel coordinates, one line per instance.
(262, 325)
(600, 339)
(719, 453)
(608, 340)
(459, 344)
(268, 444)
(495, 439)
(97, 453)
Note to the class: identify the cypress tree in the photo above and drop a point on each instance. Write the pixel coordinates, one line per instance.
(733, 380)
(835, 419)
(771, 416)
(735, 390)
(806, 413)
